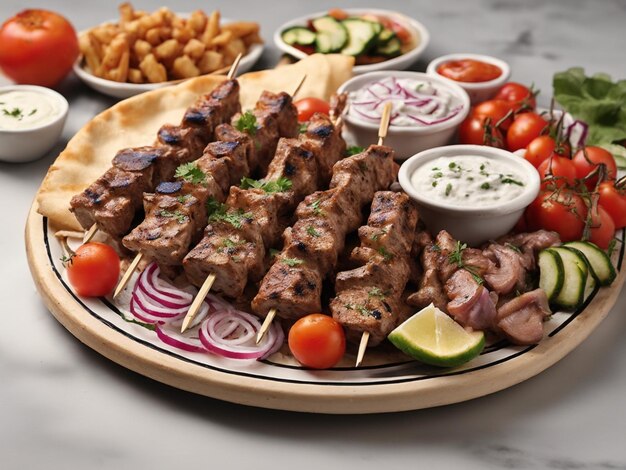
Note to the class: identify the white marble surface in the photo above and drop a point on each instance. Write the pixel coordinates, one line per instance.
(62, 406)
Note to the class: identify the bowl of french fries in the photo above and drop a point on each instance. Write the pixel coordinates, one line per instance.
(142, 51)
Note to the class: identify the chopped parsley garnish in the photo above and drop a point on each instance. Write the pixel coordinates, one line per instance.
(32, 112)
(291, 262)
(280, 185)
(247, 123)
(376, 292)
(485, 186)
(303, 127)
(434, 184)
(386, 255)
(183, 198)
(228, 243)
(452, 165)
(315, 205)
(376, 236)
(219, 213)
(456, 257)
(512, 181)
(354, 150)
(178, 215)
(438, 175)
(190, 173)
(16, 113)
(448, 189)
(312, 232)
(274, 252)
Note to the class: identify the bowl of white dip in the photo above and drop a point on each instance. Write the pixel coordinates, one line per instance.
(426, 110)
(475, 192)
(31, 121)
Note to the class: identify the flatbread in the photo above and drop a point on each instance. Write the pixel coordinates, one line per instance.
(134, 122)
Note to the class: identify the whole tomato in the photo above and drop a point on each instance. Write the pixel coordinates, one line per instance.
(519, 96)
(497, 110)
(93, 270)
(562, 211)
(308, 106)
(556, 172)
(587, 160)
(613, 200)
(525, 128)
(317, 341)
(602, 228)
(37, 47)
(476, 130)
(543, 147)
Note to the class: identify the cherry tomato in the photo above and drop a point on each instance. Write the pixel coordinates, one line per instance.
(588, 159)
(38, 47)
(543, 147)
(317, 341)
(561, 211)
(496, 110)
(521, 98)
(524, 130)
(475, 130)
(94, 269)
(556, 172)
(308, 106)
(469, 71)
(614, 202)
(602, 227)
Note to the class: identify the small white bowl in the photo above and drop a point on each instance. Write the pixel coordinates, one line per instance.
(477, 91)
(471, 225)
(126, 90)
(28, 144)
(405, 140)
(417, 30)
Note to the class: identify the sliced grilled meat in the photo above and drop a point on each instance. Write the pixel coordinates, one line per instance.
(280, 105)
(213, 109)
(430, 287)
(507, 272)
(521, 319)
(463, 291)
(530, 244)
(326, 142)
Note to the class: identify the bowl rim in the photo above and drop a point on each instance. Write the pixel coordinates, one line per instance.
(372, 76)
(38, 89)
(415, 27)
(431, 69)
(410, 165)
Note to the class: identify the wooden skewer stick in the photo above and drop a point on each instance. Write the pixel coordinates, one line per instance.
(197, 302)
(233, 68)
(382, 133)
(89, 234)
(295, 92)
(266, 324)
(127, 275)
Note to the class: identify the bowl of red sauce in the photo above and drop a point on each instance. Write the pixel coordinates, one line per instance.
(480, 75)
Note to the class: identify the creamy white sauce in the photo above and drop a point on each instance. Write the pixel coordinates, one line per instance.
(414, 102)
(26, 109)
(469, 180)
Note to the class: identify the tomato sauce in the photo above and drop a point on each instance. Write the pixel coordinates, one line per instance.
(469, 71)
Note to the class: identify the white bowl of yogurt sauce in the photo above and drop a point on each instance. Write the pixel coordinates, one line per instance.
(31, 121)
(475, 192)
(426, 110)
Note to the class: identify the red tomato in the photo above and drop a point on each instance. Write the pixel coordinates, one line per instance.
(475, 130)
(602, 227)
(556, 172)
(469, 71)
(587, 160)
(614, 202)
(561, 211)
(317, 341)
(308, 106)
(94, 270)
(524, 130)
(496, 110)
(38, 47)
(542, 147)
(521, 98)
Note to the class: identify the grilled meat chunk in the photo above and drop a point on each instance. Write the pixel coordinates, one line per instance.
(463, 291)
(213, 109)
(530, 244)
(280, 105)
(507, 272)
(521, 319)
(326, 142)
(430, 287)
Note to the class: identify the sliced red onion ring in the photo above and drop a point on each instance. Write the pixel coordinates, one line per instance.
(155, 308)
(577, 133)
(172, 336)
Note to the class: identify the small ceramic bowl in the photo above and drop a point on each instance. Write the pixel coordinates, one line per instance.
(477, 91)
(471, 225)
(419, 32)
(405, 140)
(30, 143)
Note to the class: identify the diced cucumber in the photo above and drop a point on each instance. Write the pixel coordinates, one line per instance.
(361, 36)
(299, 35)
(385, 36)
(601, 267)
(572, 293)
(551, 273)
(331, 36)
(391, 49)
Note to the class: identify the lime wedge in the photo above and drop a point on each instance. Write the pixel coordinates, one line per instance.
(432, 337)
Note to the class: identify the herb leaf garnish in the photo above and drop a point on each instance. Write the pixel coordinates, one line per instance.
(190, 173)
(247, 123)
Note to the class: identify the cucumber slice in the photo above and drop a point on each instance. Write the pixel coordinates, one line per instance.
(332, 36)
(551, 273)
(572, 293)
(391, 49)
(385, 36)
(601, 267)
(298, 35)
(361, 36)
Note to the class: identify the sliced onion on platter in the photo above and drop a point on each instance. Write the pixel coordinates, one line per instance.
(188, 341)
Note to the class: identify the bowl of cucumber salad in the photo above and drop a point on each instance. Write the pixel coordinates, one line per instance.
(377, 39)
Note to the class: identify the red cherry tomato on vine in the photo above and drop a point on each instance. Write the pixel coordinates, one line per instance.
(496, 110)
(588, 159)
(308, 106)
(93, 270)
(602, 227)
(317, 341)
(37, 47)
(524, 130)
(556, 172)
(561, 211)
(474, 130)
(542, 147)
(614, 202)
(519, 96)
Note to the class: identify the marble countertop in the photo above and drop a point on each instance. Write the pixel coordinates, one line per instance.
(62, 405)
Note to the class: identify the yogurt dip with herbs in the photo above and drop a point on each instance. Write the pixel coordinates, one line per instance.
(26, 109)
(468, 180)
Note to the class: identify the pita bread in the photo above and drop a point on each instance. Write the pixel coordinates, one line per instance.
(135, 122)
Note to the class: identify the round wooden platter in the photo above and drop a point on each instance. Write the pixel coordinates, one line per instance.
(387, 382)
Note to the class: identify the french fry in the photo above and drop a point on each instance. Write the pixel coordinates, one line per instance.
(167, 50)
(120, 73)
(152, 69)
(89, 53)
(127, 13)
(210, 61)
(183, 35)
(212, 28)
(114, 52)
(222, 39)
(197, 21)
(153, 36)
(194, 49)
(184, 68)
(241, 28)
(141, 49)
(135, 76)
